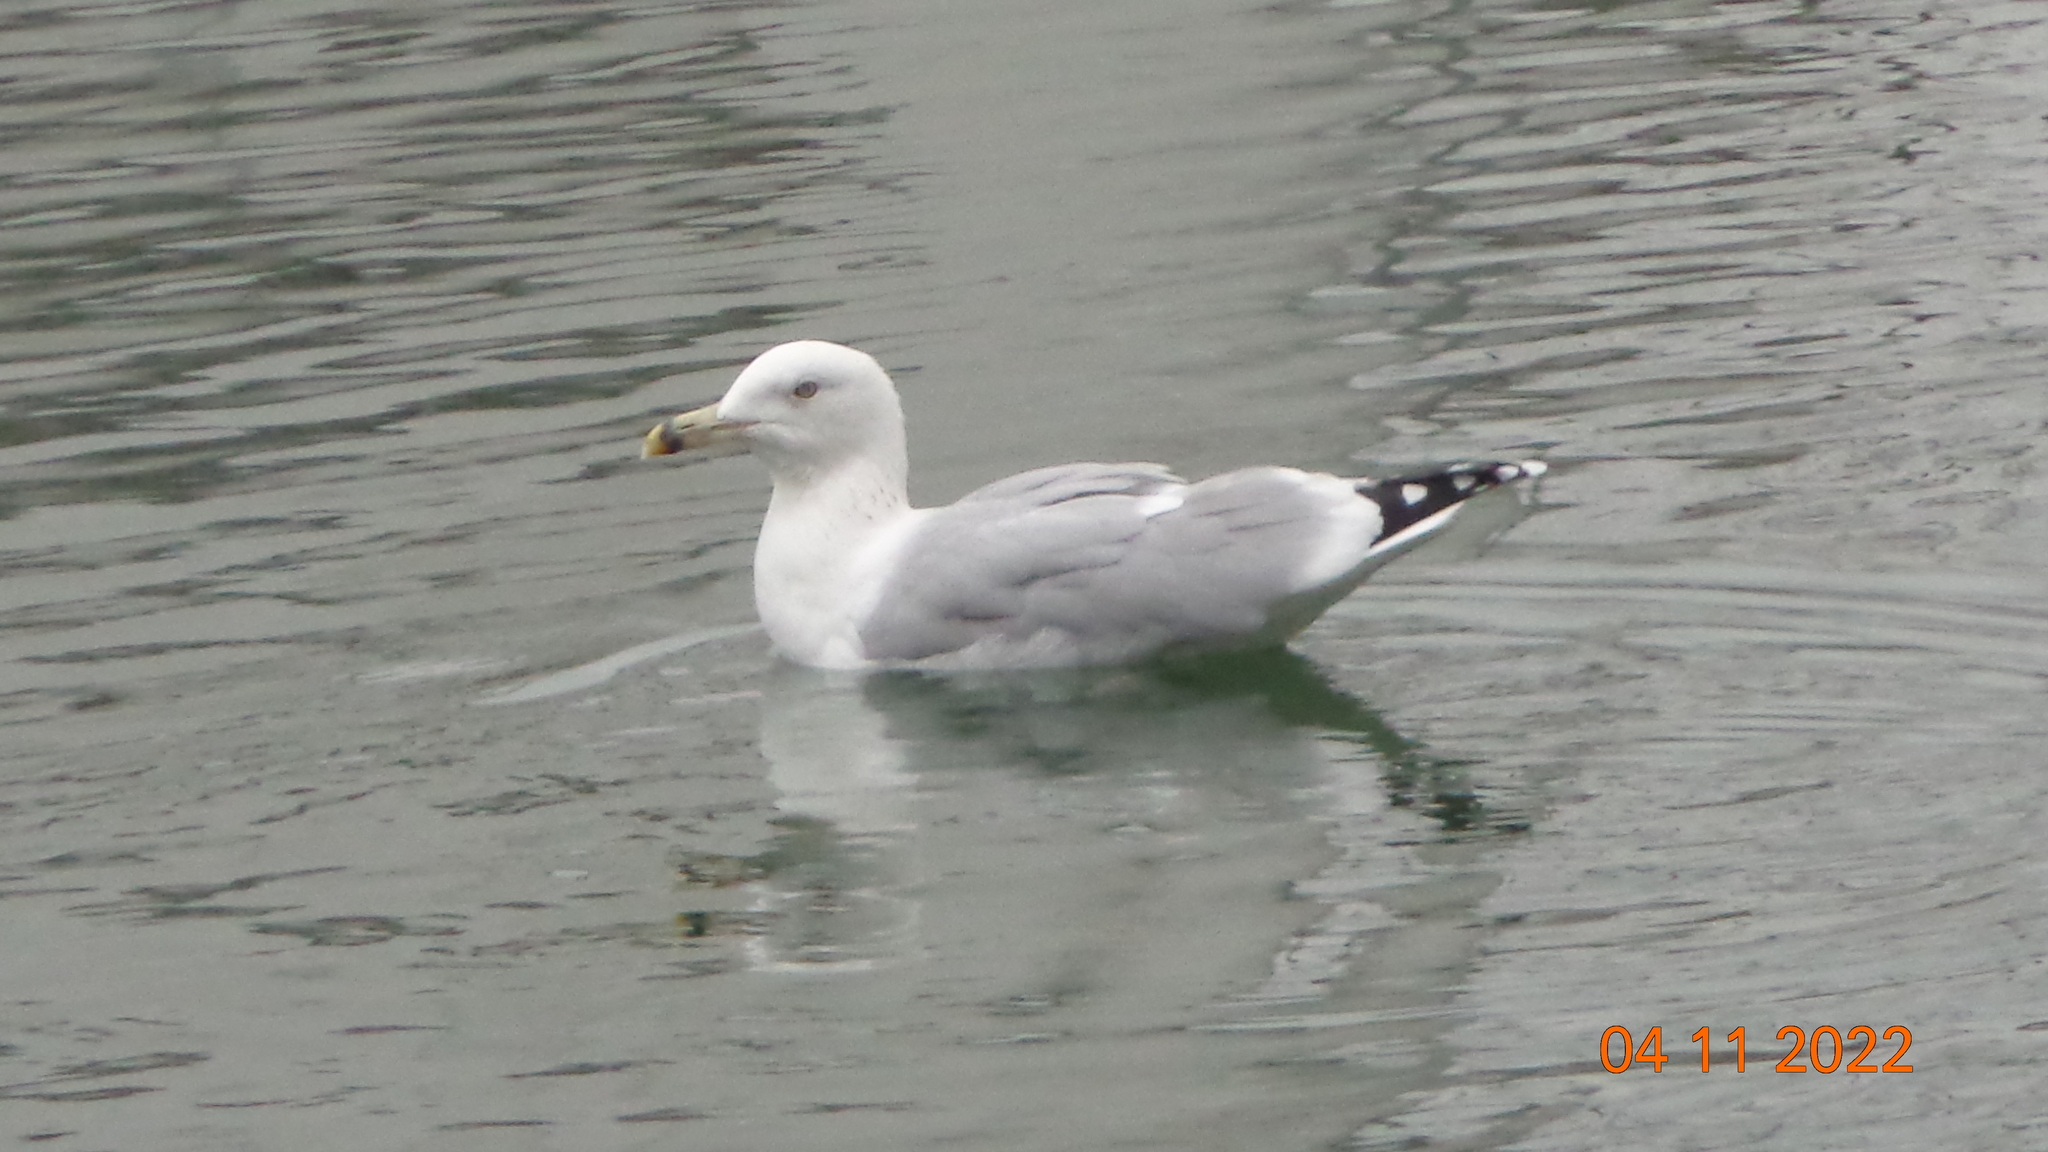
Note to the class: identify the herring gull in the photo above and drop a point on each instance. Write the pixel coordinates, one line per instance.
(1069, 565)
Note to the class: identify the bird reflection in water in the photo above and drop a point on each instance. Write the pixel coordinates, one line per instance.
(1035, 800)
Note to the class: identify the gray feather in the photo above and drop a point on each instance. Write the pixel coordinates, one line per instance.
(1070, 548)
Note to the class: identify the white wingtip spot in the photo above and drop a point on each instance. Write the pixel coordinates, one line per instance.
(1463, 481)
(1413, 494)
(1533, 468)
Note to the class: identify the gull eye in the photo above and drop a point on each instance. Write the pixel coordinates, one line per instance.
(805, 390)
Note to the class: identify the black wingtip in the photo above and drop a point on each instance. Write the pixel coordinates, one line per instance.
(1407, 500)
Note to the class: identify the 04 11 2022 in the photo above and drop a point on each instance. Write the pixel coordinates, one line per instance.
(1824, 1048)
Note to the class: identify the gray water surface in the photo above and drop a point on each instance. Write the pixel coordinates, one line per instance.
(387, 759)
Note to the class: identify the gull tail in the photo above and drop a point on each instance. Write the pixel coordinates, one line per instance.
(1412, 506)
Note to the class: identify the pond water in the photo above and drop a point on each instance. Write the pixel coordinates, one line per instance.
(388, 759)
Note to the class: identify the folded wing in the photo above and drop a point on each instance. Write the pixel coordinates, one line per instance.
(1108, 561)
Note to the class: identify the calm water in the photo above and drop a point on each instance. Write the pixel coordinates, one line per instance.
(389, 763)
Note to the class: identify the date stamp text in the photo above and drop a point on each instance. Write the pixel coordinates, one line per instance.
(1823, 1049)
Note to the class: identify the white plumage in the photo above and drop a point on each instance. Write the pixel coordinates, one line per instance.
(1073, 564)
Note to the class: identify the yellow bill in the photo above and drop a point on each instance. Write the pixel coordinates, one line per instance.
(698, 431)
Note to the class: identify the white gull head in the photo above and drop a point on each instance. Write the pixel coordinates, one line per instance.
(810, 409)
(826, 421)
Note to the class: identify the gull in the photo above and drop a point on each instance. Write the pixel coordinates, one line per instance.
(1075, 564)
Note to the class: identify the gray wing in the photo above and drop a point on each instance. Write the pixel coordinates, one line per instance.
(1125, 559)
(1104, 554)
(1043, 487)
